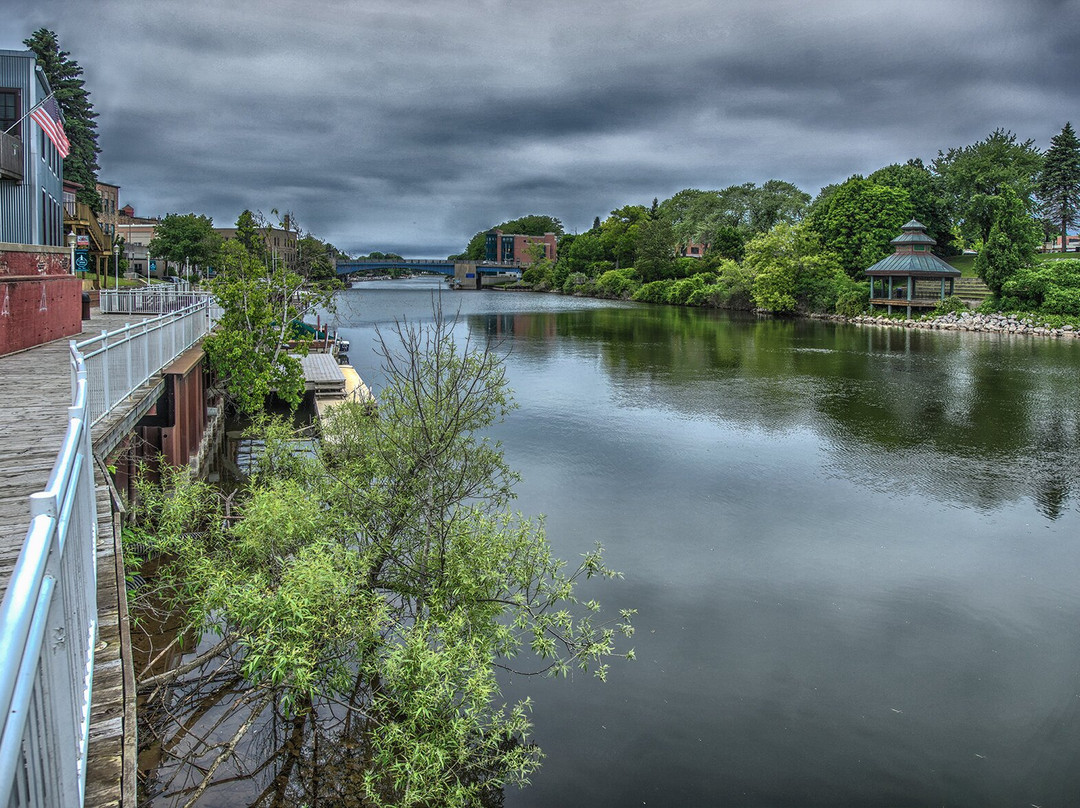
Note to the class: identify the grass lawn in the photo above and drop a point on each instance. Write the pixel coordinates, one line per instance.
(965, 263)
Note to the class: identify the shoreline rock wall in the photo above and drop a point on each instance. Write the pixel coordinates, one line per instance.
(969, 321)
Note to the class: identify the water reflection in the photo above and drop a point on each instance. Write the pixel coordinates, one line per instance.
(962, 418)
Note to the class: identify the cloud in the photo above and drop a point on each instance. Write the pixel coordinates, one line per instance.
(409, 125)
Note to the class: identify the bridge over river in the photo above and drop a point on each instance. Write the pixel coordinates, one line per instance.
(466, 274)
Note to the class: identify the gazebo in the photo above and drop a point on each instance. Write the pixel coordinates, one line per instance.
(912, 276)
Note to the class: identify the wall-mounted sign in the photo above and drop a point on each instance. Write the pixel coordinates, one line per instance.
(82, 241)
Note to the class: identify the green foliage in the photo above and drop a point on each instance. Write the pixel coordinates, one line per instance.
(247, 233)
(654, 292)
(1012, 243)
(972, 174)
(726, 219)
(247, 348)
(791, 271)
(853, 301)
(619, 234)
(654, 249)
(620, 284)
(927, 201)
(388, 576)
(1059, 182)
(80, 126)
(1050, 287)
(858, 220)
(186, 239)
(950, 305)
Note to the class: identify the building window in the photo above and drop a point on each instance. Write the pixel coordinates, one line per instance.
(920, 248)
(9, 112)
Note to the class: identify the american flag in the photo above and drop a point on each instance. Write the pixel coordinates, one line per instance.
(47, 114)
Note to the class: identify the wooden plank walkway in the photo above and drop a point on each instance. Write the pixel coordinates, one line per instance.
(35, 391)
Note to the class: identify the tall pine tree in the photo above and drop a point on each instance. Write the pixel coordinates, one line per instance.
(1059, 182)
(63, 74)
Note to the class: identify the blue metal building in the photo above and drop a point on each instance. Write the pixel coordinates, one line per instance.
(31, 169)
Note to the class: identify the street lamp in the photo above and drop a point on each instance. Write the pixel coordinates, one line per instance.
(116, 263)
(71, 245)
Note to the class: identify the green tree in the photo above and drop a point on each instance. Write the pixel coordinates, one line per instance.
(1012, 242)
(971, 175)
(774, 202)
(858, 220)
(790, 271)
(618, 233)
(247, 233)
(927, 201)
(186, 238)
(655, 250)
(80, 126)
(247, 349)
(1059, 182)
(387, 578)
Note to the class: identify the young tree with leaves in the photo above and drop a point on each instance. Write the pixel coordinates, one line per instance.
(1059, 182)
(247, 350)
(386, 579)
(80, 126)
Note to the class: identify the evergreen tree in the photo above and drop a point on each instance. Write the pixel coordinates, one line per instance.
(79, 125)
(1059, 182)
(1011, 243)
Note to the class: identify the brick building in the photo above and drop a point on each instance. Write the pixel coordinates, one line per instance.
(514, 248)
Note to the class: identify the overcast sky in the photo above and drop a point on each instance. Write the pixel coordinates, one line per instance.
(409, 125)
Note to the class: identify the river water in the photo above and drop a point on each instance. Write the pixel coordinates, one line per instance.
(854, 551)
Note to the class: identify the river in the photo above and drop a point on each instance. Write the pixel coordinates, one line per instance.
(854, 551)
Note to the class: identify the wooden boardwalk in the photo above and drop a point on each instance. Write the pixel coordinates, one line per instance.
(35, 391)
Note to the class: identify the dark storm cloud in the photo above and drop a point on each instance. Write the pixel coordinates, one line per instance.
(411, 125)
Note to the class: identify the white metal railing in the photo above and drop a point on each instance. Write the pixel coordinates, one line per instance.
(119, 362)
(48, 625)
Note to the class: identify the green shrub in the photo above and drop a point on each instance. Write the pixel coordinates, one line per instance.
(950, 305)
(853, 301)
(655, 292)
(619, 284)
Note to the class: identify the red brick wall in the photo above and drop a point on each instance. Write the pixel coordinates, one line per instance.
(39, 300)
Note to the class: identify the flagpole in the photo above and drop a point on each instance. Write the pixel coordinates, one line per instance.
(29, 111)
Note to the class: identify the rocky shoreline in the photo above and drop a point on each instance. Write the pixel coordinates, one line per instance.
(970, 321)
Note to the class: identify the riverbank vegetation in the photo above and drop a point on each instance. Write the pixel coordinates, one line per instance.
(774, 248)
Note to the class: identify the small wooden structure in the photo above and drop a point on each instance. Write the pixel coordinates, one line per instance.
(912, 276)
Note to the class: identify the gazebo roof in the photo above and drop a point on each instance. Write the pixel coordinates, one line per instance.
(921, 266)
(911, 260)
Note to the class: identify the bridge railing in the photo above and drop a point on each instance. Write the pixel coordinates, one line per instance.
(48, 625)
(119, 362)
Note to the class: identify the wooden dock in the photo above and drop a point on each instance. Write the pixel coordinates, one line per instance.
(35, 391)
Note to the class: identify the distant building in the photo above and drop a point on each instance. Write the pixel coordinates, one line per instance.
(280, 243)
(1072, 244)
(513, 248)
(110, 197)
(137, 233)
(693, 249)
(40, 297)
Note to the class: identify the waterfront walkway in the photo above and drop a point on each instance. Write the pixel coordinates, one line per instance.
(35, 391)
